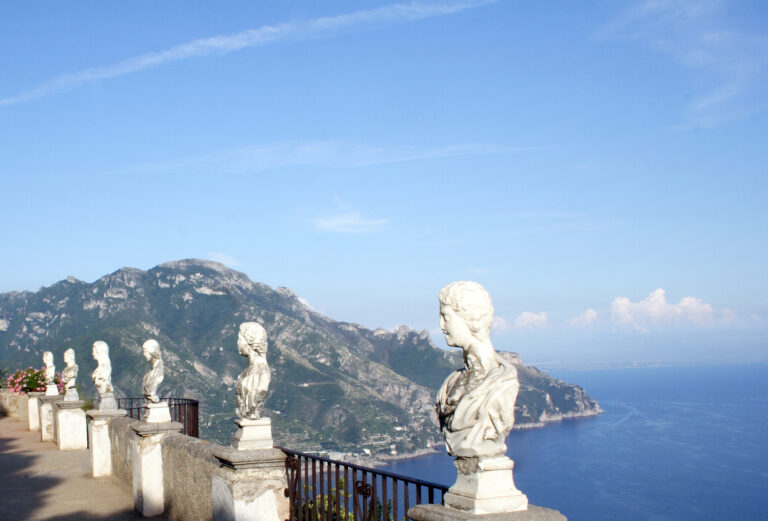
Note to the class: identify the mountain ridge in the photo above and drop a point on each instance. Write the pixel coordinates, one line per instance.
(335, 385)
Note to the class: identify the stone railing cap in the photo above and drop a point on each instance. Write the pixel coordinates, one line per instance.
(147, 429)
(249, 459)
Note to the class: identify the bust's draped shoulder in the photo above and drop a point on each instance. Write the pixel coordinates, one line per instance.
(476, 416)
(251, 390)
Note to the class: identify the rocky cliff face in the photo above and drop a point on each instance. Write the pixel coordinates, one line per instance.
(335, 385)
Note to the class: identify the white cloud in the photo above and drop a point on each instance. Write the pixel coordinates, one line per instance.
(349, 223)
(655, 309)
(500, 324)
(698, 35)
(585, 319)
(227, 43)
(529, 320)
(225, 259)
(336, 154)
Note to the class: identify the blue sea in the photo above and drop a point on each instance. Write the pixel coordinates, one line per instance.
(674, 443)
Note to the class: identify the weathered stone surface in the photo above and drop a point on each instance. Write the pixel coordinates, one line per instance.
(100, 445)
(45, 411)
(148, 483)
(441, 513)
(121, 434)
(188, 468)
(33, 410)
(71, 429)
(253, 434)
(249, 485)
(23, 402)
(9, 403)
(157, 413)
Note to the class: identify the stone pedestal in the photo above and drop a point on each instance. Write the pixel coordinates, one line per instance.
(71, 395)
(33, 410)
(71, 431)
(157, 413)
(107, 402)
(100, 446)
(47, 421)
(51, 390)
(253, 434)
(250, 485)
(148, 489)
(484, 485)
(442, 513)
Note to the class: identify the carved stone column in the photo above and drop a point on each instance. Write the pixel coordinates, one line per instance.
(100, 446)
(71, 430)
(148, 488)
(33, 410)
(250, 485)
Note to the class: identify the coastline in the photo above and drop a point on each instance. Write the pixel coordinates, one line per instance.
(385, 459)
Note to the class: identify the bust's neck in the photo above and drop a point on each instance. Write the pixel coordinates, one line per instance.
(479, 358)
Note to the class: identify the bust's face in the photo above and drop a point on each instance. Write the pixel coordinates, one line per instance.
(455, 328)
(146, 353)
(242, 344)
(68, 357)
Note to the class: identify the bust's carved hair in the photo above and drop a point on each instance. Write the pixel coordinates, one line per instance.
(101, 348)
(472, 303)
(255, 334)
(152, 347)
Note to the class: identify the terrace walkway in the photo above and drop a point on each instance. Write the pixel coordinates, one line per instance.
(39, 482)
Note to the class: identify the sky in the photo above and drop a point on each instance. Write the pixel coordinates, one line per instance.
(599, 167)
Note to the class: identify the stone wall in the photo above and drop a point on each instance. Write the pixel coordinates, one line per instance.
(121, 436)
(9, 403)
(188, 466)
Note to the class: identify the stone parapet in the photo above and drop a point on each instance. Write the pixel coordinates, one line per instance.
(442, 513)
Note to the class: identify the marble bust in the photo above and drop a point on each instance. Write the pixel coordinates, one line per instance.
(154, 376)
(476, 406)
(50, 374)
(69, 375)
(253, 384)
(102, 375)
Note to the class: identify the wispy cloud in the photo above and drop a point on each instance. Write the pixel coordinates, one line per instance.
(349, 223)
(697, 35)
(225, 259)
(324, 153)
(223, 44)
(585, 319)
(530, 320)
(500, 325)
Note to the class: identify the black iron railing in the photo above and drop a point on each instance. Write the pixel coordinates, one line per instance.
(183, 410)
(322, 489)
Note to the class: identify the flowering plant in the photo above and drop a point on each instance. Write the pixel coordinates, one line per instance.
(30, 379)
